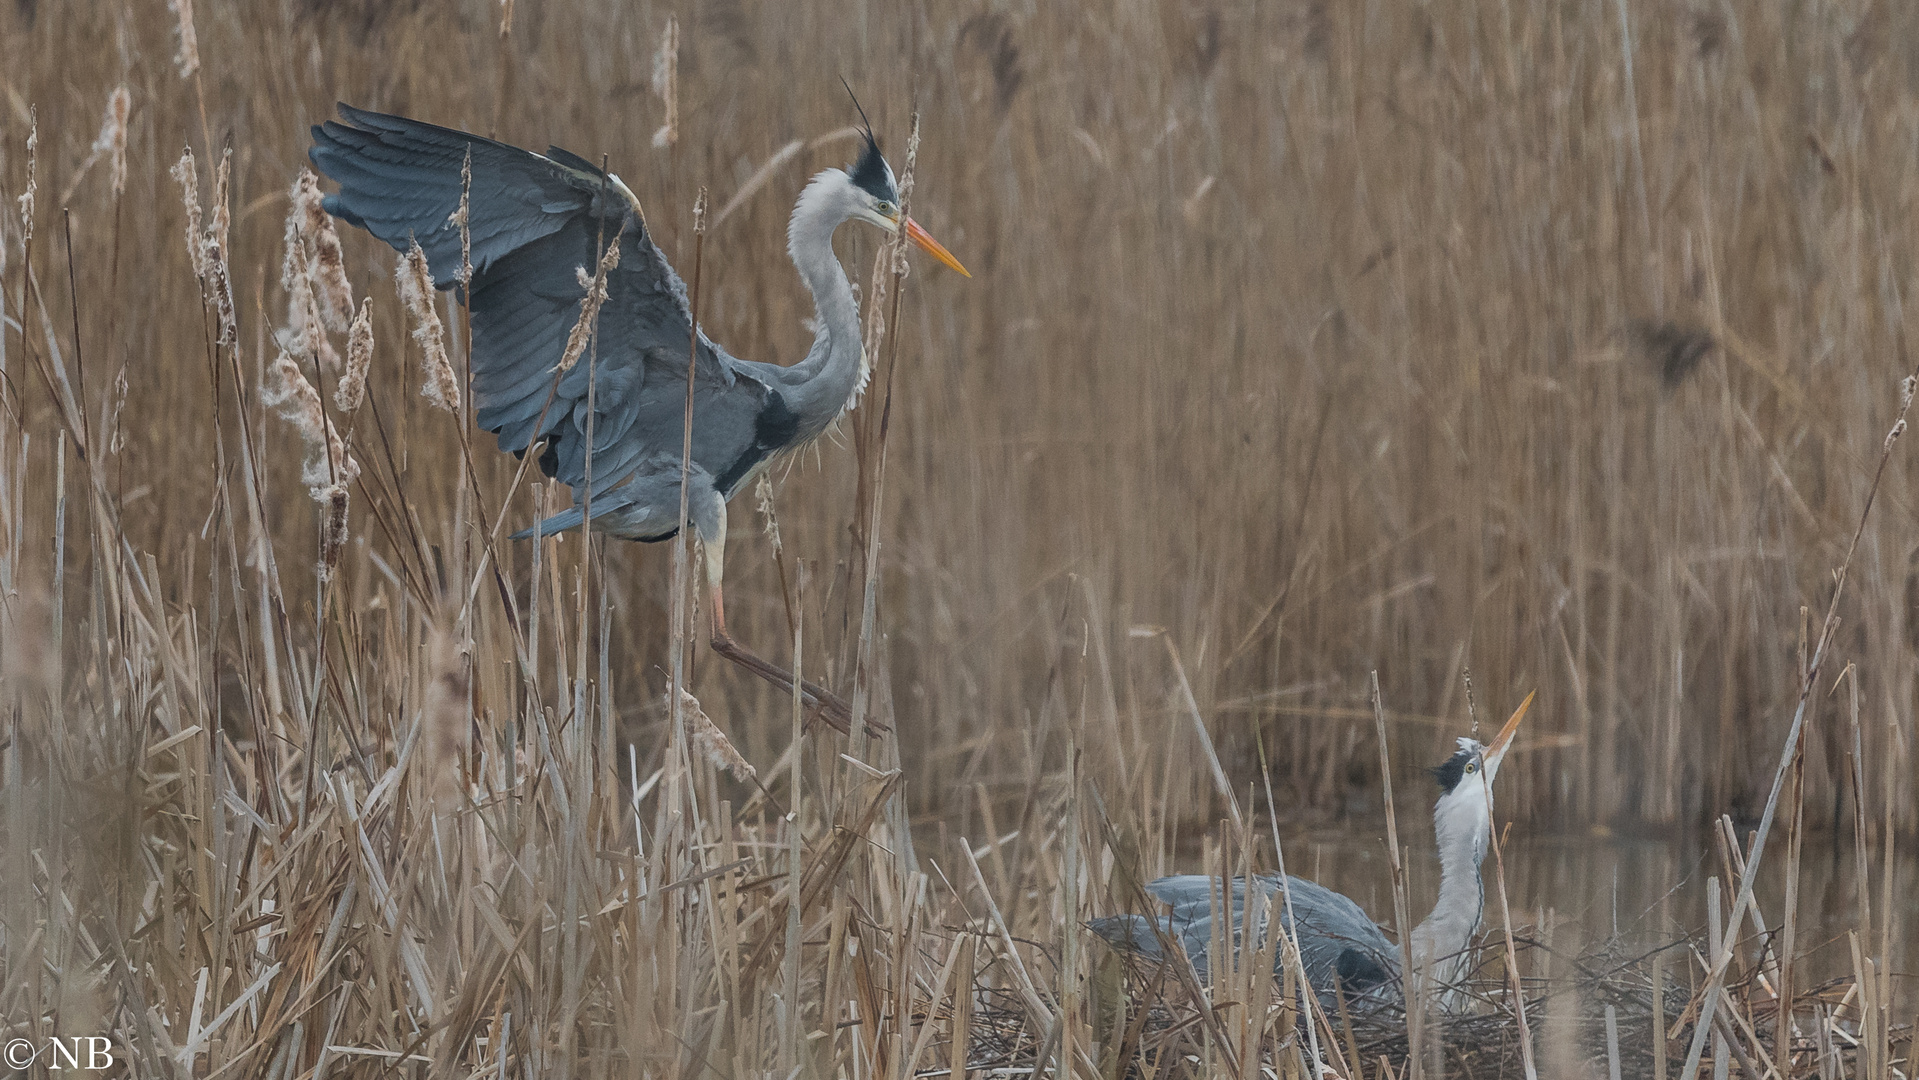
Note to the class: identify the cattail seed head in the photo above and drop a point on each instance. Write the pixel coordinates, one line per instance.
(763, 501)
(188, 58)
(333, 529)
(213, 259)
(222, 215)
(327, 264)
(26, 198)
(111, 143)
(119, 105)
(596, 291)
(327, 462)
(666, 83)
(442, 386)
(458, 219)
(305, 331)
(706, 738)
(359, 359)
(188, 174)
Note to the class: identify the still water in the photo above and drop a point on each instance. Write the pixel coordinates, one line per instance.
(1645, 889)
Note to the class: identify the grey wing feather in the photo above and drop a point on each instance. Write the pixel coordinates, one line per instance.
(534, 222)
(1337, 940)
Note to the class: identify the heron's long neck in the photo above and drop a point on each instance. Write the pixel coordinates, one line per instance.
(828, 381)
(1461, 832)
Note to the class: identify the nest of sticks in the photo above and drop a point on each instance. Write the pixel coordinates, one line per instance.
(1584, 1011)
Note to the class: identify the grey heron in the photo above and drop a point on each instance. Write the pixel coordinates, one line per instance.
(1338, 943)
(538, 225)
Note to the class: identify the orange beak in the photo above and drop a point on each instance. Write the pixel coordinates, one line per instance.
(1503, 741)
(925, 239)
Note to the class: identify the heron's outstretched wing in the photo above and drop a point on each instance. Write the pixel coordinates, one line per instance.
(536, 222)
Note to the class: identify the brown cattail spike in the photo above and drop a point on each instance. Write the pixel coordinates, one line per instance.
(213, 260)
(666, 83)
(119, 105)
(326, 265)
(188, 174)
(327, 464)
(333, 530)
(596, 290)
(706, 738)
(188, 58)
(359, 359)
(26, 198)
(442, 386)
(222, 215)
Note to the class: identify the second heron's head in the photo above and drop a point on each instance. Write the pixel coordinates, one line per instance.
(1464, 811)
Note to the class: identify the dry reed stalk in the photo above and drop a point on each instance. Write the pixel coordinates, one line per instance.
(1413, 981)
(666, 83)
(351, 391)
(440, 387)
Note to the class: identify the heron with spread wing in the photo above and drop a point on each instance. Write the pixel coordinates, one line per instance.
(538, 225)
(1341, 948)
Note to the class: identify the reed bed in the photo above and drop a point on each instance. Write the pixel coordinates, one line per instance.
(1317, 355)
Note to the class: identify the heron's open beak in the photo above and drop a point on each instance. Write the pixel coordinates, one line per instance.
(1504, 740)
(925, 239)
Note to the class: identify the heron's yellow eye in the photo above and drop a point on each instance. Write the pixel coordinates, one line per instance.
(1471, 768)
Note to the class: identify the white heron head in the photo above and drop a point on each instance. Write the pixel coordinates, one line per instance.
(1463, 815)
(866, 191)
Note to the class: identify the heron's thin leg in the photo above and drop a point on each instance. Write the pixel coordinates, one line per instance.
(832, 707)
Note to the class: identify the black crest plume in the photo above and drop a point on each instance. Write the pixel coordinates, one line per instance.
(870, 173)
